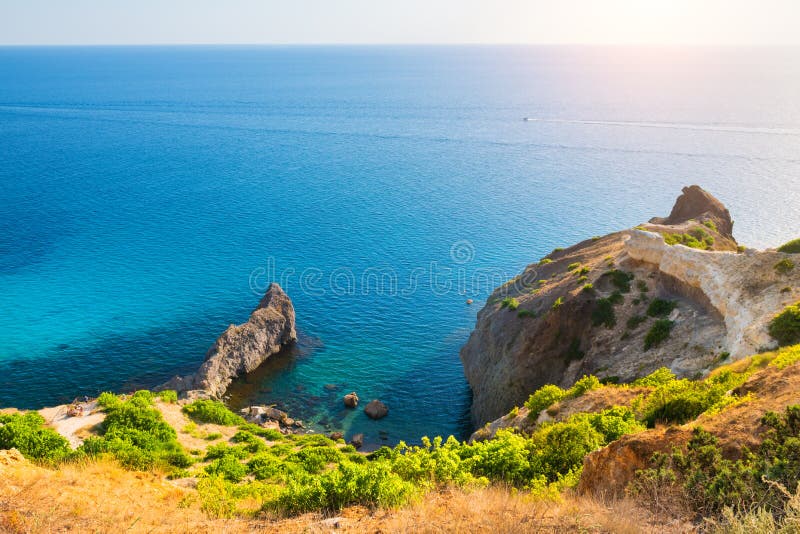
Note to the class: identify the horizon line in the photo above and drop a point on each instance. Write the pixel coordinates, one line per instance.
(404, 44)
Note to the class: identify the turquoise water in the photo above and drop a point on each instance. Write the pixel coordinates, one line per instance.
(147, 195)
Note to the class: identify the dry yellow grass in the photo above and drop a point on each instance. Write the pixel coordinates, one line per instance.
(101, 497)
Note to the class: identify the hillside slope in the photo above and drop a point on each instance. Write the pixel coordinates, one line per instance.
(675, 292)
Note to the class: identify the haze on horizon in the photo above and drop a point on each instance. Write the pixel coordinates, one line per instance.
(653, 22)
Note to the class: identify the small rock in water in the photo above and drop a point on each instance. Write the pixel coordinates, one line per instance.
(376, 409)
(331, 387)
(357, 441)
(351, 400)
(336, 436)
(469, 301)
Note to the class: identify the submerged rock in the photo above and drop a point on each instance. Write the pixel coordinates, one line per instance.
(242, 348)
(376, 409)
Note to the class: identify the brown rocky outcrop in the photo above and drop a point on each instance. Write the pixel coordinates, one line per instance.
(376, 410)
(242, 348)
(551, 334)
(698, 204)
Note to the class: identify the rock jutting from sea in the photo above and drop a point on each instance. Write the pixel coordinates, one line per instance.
(242, 348)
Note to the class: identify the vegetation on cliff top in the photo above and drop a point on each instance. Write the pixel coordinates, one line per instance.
(792, 247)
(260, 469)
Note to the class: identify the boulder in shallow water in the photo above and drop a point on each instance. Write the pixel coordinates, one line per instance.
(351, 400)
(376, 409)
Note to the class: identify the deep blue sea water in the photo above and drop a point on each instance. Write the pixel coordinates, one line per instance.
(148, 194)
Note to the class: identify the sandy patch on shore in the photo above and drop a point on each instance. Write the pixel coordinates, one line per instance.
(74, 428)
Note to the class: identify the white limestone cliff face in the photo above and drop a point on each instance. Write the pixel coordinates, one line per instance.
(744, 288)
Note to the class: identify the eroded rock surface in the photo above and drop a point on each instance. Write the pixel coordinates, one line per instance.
(545, 326)
(242, 348)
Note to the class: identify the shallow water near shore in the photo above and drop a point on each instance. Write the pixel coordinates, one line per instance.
(148, 195)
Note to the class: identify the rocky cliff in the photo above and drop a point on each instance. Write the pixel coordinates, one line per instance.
(675, 292)
(242, 348)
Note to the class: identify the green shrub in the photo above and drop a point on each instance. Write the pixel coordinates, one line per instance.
(679, 401)
(659, 377)
(603, 314)
(660, 307)
(792, 247)
(586, 383)
(267, 433)
(228, 467)
(510, 302)
(372, 484)
(658, 333)
(696, 238)
(785, 327)
(26, 433)
(212, 411)
(588, 288)
(785, 266)
(558, 302)
(573, 266)
(634, 322)
(169, 396)
(710, 224)
(545, 261)
(526, 313)
(543, 398)
(135, 433)
(108, 400)
(616, 298)
(620, 279)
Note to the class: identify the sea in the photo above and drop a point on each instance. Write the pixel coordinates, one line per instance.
(149, 195)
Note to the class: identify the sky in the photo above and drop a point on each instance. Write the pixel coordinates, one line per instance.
(702, 22)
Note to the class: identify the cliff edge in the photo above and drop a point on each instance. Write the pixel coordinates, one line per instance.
(676, 292)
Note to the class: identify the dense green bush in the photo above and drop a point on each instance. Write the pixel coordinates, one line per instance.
(785, 266)
(792, 247)
(603, 313)
(212, 411)
(785, 327)
(26, 433)
(543, 398)
(135, 433)
(660, 307)
(659, 377)
(679, 401)
(620, 279)
(658, 333)
(697, 237)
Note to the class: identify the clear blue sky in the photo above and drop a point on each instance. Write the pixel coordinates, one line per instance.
(406, 21)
